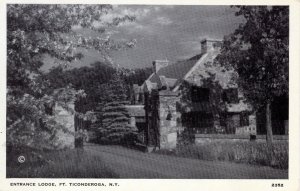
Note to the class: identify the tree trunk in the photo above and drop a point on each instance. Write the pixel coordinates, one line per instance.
(269, 123)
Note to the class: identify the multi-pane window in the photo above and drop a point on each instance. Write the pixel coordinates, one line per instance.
(199, 94)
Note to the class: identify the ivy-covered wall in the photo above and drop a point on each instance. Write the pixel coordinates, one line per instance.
(214, 107)
(215, 115)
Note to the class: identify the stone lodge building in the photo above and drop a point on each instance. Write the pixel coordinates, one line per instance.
(193, 95)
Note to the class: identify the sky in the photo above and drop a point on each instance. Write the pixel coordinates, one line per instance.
(165, 32)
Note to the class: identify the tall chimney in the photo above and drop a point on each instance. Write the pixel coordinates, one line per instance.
(208, 45)
(158, 64)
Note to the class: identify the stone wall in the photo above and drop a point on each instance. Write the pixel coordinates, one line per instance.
(168, 119)
(223, 138)
(66, 130)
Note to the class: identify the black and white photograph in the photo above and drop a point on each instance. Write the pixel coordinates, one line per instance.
(143, 91)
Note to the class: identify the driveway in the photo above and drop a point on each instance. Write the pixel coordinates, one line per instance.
(129, 163)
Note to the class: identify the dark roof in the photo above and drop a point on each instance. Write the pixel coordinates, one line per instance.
(177, 70)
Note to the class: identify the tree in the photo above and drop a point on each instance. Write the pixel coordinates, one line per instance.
(92, 79)
(37, 30)
(137, 76)
(115, 127)
(88, 78)
(258, 51)
(30, 125)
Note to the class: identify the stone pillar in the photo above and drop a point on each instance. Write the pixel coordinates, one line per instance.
(66, 126)
(168, 117)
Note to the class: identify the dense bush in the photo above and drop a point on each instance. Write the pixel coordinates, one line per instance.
(275, 155)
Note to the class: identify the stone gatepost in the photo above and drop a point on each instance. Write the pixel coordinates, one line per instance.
(66, 126)
(168, 118)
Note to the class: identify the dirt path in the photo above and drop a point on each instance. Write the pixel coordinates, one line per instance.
(130, 163)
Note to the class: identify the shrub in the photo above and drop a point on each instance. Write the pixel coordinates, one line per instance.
(115, 128)
(275, 155)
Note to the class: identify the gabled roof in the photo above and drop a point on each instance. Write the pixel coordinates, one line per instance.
(200, 65)
(174, 72)
(178, 69)
(194, 71)
(205, 68)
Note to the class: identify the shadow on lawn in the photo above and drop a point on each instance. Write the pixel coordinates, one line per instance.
(72, 163)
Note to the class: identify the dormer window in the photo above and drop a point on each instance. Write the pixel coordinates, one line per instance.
(230, 95)
(199, 94)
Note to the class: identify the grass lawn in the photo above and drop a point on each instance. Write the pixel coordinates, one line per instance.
(73, 163)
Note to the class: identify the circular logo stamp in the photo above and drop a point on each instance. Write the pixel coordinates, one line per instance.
(21, 159)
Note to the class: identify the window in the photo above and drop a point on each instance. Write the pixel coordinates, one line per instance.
(244, 120)
(199, 94)
(199, 120)
(230, 95)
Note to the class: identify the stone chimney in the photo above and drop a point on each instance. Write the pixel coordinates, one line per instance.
(208, 45)
(158, 64)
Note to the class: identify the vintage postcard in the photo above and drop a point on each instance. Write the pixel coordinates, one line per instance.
(150, 95)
